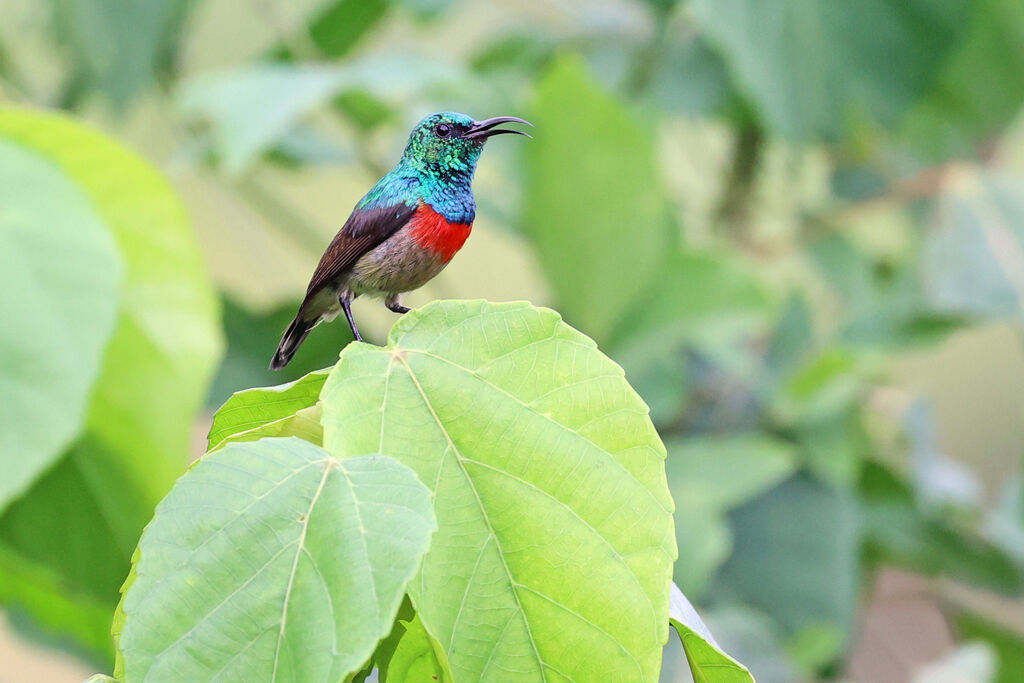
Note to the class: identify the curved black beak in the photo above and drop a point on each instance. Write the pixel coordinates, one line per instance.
(481, 130)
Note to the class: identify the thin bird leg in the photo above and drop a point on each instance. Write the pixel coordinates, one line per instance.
(393, 304)
(346, 305)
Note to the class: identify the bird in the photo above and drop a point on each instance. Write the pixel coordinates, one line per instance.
(405, 230)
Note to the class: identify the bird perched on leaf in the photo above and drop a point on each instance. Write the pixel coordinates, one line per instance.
(405, 230)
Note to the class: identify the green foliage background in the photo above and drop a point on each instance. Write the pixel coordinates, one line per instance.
(798, 225)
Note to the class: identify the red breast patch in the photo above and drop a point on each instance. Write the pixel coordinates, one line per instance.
(435, 232)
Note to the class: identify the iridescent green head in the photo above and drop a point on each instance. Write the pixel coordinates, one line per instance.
(448, 143)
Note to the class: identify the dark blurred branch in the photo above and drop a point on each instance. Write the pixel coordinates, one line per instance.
(648, 56)
(733, 213)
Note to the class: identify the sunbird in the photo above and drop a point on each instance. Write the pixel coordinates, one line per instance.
(405, 230)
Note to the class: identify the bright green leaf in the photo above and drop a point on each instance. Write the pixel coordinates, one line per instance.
(418, 657)
(707, 661)
(59, 292)
(255, 413)
(274, 561)
(555, 543)
(84, 517)
(600, 235)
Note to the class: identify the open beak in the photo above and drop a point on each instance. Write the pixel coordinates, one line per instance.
(481, 130)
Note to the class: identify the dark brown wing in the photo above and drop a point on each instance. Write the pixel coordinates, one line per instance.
(364, 230)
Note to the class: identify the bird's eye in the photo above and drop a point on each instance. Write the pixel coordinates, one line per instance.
(443, 130)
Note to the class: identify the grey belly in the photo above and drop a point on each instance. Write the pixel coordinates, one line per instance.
(398, 265)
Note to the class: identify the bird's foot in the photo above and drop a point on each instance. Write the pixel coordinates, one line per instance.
(393, 305)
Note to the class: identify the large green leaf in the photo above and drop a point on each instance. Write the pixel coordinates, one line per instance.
(273, 560)
(819, 67)
(252, 414)
(707, 661)
(82, 520)
(555, 546)
(593, 204)
(59, 275)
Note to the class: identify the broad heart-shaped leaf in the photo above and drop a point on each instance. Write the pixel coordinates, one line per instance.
(82, 519)
(272, 560)
(270, 411)
(59, 274)
(816, 68)
(707, 661)
(554, 548)
(611, 218)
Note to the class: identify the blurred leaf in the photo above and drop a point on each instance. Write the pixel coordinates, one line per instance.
(708, 476)
(43, 594)
(697, 298)
(724, 471)
(691, 77)
(256, 409)
(1009, 646)
(795, 555)
(884, 305)
(973, 258)
(978, 91)
(707, 661)
(118, 46)
(569, 554)
(82, 520)
(59, 298)
(426, 9)
(338, 26)
(304, 601)
(702, 296)
(610, 220)
(898, 532)
(833, 446)
(791, 340)
(100, 678)
(817, 69)
(525, 50)
(823, 387)
(704, 540)
(250, 109)
(1004, 525)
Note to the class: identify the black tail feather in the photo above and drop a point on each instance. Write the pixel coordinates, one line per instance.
(291, 340)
